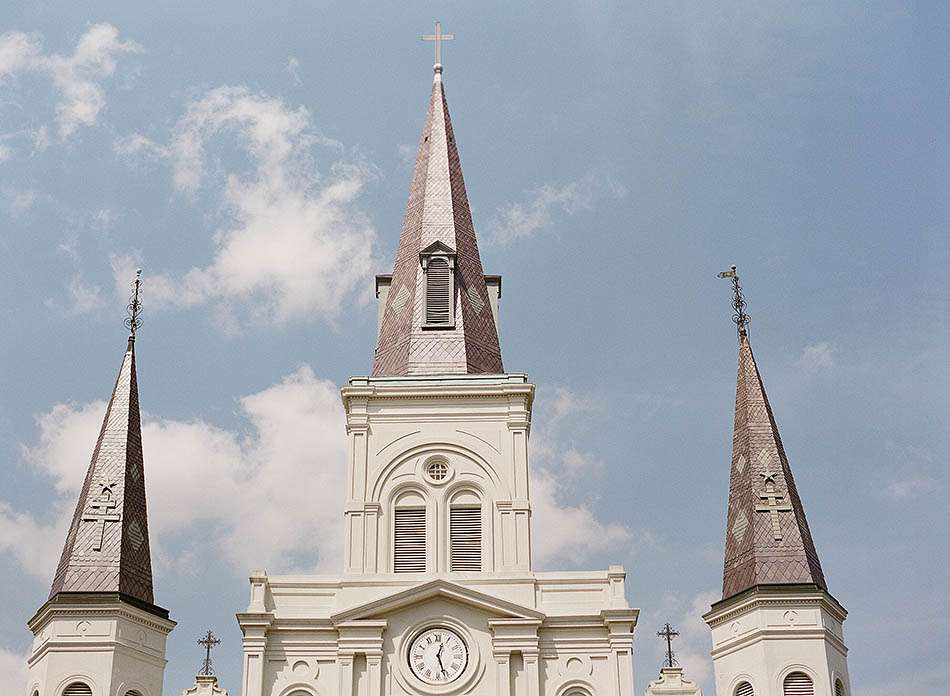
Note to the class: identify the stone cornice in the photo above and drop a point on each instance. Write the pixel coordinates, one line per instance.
(764, 596)
(111, 605)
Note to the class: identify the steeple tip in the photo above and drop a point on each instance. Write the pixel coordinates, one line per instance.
(134, 309)
(740, 318)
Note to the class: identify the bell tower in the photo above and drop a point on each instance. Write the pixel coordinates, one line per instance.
(100, 633)
(777, 630)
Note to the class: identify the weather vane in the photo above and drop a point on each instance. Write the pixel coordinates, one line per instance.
(740, 318)
(134, 320)
(208, 641)
(438, 37)
(669, 633)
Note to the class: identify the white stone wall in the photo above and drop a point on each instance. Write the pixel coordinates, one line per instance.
(763, 637)
(111, 646)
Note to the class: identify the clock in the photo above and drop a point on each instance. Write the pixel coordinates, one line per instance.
(437, 656)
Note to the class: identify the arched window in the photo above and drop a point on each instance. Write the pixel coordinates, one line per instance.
(839, 687)
(77, 689)
(798, 684)
(744, 689)
(465, 532)
(133, 692)
(409, 533)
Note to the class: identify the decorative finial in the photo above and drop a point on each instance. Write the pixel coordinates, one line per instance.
(669, 633)
(740, 318)
(438, 37)
(134, 320)
(209, 640)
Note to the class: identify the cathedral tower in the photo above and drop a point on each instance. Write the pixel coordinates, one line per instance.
(438, 595)
(100, 632)
(777, 631)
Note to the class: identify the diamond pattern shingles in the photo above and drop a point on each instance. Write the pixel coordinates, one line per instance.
(107, 545)
(754, 556)
(437, 210)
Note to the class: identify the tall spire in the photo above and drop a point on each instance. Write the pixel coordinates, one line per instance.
(767, 537)
(437, 217)
(107, 549)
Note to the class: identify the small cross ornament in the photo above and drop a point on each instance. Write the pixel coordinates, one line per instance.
(772, 507)
(669, 633)
(208, 641)
(102, 506)
(438, 37)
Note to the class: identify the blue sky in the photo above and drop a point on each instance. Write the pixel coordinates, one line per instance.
(255, 158)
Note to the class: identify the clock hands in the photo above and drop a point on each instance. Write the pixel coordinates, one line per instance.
(438, 656)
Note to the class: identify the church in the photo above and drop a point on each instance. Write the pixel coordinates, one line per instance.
(437, 595)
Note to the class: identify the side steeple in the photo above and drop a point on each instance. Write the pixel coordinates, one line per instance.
(776, 629)
(767, 536)
(107, 547)
(100, 630)
(437, 316)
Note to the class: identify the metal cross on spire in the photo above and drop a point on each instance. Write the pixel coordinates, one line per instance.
(134, 320)
(438, 37)
(740, 318)
(669, 633)
(209, 640)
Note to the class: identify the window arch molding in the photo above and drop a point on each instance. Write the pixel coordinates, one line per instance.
(575, 687)
(77, 686)
(76, 679)
(384, 487)
(738, 680)
(299, 689)
(791, 669)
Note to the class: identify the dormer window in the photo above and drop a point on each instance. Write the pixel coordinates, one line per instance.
(438, 265)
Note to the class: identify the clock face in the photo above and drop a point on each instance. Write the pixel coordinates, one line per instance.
(437, 656)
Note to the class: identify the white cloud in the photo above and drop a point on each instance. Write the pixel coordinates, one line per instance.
(562, 532)
(293, 69)
(912, 486)
(294, 244)
(817, 356)
(289, 461)
(525, 219)
(695, 641)
(77, 78)
(20, 200)
(13, 671)
(83, 298)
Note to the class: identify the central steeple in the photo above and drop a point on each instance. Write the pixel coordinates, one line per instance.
(438, 316)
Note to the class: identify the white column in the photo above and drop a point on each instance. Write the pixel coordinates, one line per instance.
(532, 672)
(374, 669)
(503, 674)
(344, 665)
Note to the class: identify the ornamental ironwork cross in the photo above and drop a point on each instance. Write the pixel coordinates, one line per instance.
(438, 37)
(102, 505)
(740, 318)
(209, 640)
(669, 633)
(773, 507)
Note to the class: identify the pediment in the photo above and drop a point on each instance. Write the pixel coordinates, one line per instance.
(438, 247)
(437, 589)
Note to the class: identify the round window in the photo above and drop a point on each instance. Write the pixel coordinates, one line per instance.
(437, 469)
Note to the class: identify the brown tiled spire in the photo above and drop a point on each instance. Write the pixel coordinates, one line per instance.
(767, 536)
(437, 211)
(107, 549)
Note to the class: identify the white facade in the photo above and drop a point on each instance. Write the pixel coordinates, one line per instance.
(763, 636)
(428, 444)
(111, 646)
(671, 682)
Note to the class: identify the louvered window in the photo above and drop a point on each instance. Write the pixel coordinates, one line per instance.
(133, 692)
(745, 689)
(798, 684)
(409, 543)
(465, 534)
(839, 688)
(77, 689)
(439, 295)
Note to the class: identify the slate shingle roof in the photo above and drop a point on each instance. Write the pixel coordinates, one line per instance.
(763, 547)
(107, 547)
(437, 210)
